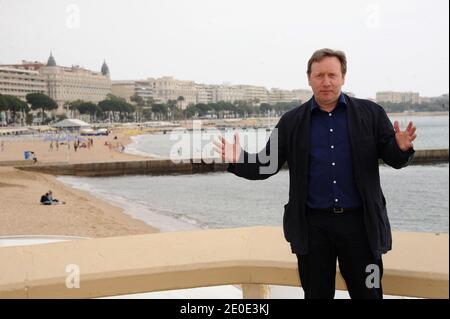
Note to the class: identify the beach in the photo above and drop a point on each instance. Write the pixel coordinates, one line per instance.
(14, 149)
(82, 214)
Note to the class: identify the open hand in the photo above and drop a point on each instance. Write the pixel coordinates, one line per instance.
(229, 152)
(405, 138)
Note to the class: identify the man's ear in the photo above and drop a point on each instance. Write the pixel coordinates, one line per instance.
(309, 79)
(343, 79)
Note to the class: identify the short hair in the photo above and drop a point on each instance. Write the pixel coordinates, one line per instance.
(319, 55)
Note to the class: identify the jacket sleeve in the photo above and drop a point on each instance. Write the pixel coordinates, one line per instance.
(268, 162)
(388, 149)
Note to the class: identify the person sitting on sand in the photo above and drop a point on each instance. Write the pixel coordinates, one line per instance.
(47, 199)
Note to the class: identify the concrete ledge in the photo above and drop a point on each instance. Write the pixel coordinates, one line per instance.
(17, 163)
(417, 267)
(150, 167)
(166, 166)
(431, 156)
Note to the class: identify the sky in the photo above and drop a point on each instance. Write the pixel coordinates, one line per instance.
(398, 45)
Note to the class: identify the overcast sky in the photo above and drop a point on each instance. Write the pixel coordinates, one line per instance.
(400, 45)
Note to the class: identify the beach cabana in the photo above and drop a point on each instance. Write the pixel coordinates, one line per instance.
(71, 125)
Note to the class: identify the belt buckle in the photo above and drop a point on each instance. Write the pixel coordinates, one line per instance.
(338, 210)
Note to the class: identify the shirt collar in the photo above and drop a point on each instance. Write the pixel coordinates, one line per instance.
(341, 100)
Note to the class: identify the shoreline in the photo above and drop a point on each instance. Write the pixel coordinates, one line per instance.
(160, 220)
(440, 113)
(83, 215)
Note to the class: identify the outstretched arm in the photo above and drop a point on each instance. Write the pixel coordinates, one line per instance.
(256, 166)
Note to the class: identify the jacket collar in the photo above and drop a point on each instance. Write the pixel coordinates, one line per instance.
(314, 105)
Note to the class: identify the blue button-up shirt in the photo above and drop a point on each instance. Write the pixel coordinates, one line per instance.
(331, 182)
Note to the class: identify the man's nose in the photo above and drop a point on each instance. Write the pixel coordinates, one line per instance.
(326, 81)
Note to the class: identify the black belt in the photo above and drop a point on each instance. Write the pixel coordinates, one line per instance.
(336, 210)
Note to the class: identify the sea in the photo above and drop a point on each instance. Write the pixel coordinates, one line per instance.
(417, 196)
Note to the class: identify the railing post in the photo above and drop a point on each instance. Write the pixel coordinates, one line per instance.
(255, 291)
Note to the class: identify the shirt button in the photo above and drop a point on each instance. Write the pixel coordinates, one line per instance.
(330, 114)
(336, 200)
(334, 164)
(334, 182)
(332, 146)
(331, 130)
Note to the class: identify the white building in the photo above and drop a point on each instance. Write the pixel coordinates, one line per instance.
(303, 95)
(398, 97)
(20, 82)
(123, 89)
(65, 84)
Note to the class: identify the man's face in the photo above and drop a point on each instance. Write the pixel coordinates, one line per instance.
(326, 80)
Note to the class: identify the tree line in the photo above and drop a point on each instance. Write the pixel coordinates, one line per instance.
(116, 109)
(437, 105)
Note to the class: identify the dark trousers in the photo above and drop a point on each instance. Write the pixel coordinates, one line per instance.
(342, 237)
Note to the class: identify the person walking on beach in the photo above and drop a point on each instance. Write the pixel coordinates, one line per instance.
(33, 157)
(336, 208)
(2, 146)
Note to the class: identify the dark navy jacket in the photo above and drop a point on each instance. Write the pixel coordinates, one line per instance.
(372, 137)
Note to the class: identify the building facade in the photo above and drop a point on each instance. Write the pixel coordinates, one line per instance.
(123, 89)
(20, 82)
(167, 88)
(255, 94)
(398, 97)
(302, 95)
(281, 96)
(65, 84)
(205, 93)
(62, 84)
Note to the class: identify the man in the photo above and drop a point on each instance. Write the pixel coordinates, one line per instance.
(48, 199)
(336, 208)
(45, 200)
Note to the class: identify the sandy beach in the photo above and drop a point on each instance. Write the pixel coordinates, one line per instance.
(82, 215)
(14, 149)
